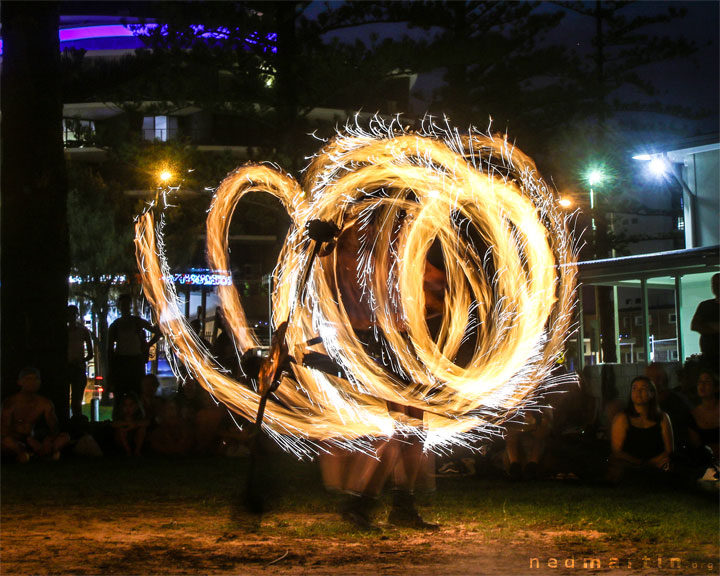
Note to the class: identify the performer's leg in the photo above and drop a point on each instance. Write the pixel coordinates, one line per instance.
(365, 479)
(334, 464)
(405, 473)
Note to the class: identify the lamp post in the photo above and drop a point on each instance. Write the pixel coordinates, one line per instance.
(606, 327)
(595, 176)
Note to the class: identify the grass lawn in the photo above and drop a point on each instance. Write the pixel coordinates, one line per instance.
(161, 516)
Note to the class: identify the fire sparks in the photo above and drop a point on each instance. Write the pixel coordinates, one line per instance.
(506, 301)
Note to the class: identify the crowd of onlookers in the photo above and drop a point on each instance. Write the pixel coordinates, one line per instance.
(184, 422)
(145, 420)
(667, 434)
(658, 431)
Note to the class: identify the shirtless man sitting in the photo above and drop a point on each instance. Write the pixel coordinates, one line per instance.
(29, 424)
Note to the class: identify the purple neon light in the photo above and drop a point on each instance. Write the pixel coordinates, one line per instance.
(118, 30)
(86, 32)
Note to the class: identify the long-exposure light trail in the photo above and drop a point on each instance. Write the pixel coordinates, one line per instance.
(507, 301)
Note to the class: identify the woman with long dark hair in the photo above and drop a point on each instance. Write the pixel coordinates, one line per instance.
(705, 424)
(641, 436)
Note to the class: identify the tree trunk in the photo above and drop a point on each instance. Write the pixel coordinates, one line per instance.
(34, 236)
(287, 89)
(606, 312)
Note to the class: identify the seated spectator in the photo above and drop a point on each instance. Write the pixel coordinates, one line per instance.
(610, 404)
(82, 441)
(152, 404)
(574, 408)
(525, 443)
(573, 449)
(172, 435)
(641, 437)
(673, 402)
(203, 416)
(130, 426)
(29, 423)
(705, 423)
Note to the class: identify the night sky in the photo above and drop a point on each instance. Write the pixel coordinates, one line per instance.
(693, 83)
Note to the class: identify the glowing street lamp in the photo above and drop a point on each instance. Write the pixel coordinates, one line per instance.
(594, 177)
(659, 166)
(565, 203)
(165, 177)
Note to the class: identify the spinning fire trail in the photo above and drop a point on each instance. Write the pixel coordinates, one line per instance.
(509, 267)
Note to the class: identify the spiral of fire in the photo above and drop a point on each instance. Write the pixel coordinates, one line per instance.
(506, 298)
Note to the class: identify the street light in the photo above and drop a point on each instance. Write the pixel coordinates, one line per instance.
(657, 165)
(565, 202)
(594, 176)
(165, 176)
(660, 166)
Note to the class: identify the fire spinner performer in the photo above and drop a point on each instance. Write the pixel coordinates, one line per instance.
(503, 315)
(360, 477)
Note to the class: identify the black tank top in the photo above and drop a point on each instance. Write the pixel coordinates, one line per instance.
(707, 435)
(644, 443)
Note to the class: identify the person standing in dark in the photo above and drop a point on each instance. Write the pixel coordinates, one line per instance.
(80, 351)
(128, 350)
(706, 322)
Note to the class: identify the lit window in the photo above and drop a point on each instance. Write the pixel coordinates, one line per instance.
(77, 132)
(162, 128)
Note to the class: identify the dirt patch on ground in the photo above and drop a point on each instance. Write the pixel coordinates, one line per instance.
(131, 538)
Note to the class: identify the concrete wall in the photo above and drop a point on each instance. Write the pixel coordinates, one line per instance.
(703, 177)
(624, 373)
(695, 289)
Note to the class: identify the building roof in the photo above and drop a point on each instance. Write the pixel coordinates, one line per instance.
(678, 149)
(644, 266)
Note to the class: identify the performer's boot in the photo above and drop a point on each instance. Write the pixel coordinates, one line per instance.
(404, 513)
(358, 510)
